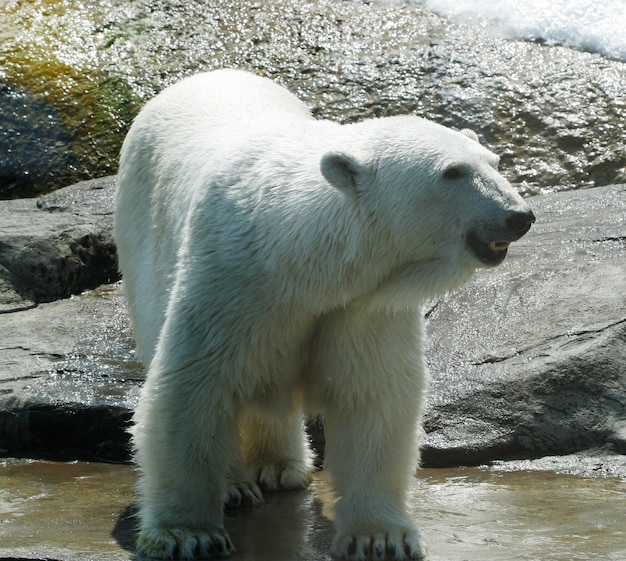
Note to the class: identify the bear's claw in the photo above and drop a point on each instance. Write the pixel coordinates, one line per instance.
(396, 546)
(183, 543)
(245, 493)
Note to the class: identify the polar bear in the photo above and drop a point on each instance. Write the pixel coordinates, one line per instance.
(274, 263)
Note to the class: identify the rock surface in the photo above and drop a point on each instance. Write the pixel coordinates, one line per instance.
(56, 246)
(528, 359)
(67, 374)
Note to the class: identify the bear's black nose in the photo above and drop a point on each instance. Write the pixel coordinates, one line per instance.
(519, 222)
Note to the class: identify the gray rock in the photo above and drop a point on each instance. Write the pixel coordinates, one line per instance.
(528, 359)
(61, 392)
(56, 246)
(68, 378)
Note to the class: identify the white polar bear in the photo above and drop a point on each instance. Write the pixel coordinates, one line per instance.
(273, 262)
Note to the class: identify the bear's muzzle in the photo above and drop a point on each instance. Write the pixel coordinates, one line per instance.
(492, 250)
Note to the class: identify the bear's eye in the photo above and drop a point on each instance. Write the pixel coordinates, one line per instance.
(453, 173)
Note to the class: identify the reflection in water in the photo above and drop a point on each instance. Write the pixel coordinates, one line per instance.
(465, 514)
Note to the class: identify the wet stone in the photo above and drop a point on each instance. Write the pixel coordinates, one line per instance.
(78, 74)
(69, 380)
(528, 359)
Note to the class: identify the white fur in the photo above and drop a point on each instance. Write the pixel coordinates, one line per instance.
(272, 261)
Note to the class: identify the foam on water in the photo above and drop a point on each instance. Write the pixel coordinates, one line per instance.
(590, 25)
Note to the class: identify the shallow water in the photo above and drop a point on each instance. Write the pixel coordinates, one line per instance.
(83, 510)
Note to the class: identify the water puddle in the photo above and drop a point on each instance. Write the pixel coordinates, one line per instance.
(81, 510)
(56, 510)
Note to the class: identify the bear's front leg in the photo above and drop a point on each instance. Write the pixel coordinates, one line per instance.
(184, 439)
(370, 464)
(368, 375)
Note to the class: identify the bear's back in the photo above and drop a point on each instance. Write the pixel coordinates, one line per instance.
(225, 97)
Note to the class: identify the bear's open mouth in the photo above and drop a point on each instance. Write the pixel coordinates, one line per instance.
(489, 253)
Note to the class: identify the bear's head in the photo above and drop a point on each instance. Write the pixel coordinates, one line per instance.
(435, 193)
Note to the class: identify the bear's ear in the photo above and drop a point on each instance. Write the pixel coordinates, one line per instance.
(344, 172)
(470, 134)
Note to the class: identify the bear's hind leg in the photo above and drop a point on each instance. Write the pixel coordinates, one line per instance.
(276, 449)
(241, 487)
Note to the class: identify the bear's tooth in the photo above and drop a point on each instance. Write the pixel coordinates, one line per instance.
(495, 246)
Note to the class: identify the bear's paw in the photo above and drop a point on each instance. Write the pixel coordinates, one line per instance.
(183, 543)
(284, 475)
(243, 493)
(396, 545)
